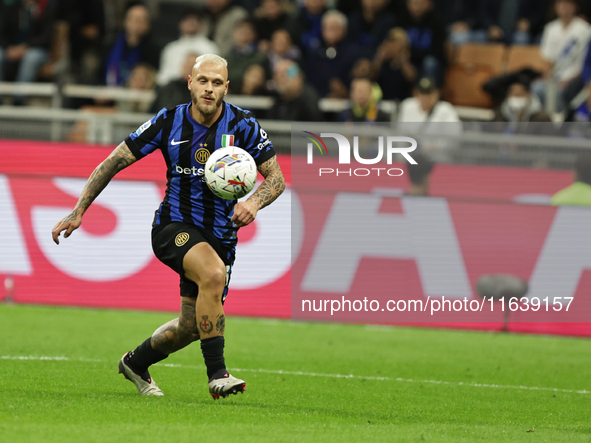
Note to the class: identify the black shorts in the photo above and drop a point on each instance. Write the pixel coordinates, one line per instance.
(172, 241)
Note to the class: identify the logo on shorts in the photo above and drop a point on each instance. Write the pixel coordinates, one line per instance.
(202, 155)
(181, 239)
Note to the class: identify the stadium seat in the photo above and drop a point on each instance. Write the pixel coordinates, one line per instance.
(491, 56)
(463, 86)
(520, 57)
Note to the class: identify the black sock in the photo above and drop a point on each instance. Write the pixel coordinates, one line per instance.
(143, 356)
(213, 353)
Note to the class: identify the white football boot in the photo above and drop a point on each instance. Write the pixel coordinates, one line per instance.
(144, 383)
(225, 385)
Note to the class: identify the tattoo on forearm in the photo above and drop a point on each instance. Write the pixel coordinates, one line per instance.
(71, 217)
(273, 185)
(205, 325)
(221, 324)
(119, 159)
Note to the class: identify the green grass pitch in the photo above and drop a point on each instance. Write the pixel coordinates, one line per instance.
(305, 382)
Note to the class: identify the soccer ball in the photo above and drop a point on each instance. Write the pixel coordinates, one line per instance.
(230, 172)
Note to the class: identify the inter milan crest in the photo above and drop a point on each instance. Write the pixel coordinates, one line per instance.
(201, 155)
(181, 239)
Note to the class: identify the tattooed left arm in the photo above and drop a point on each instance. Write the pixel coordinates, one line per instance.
(266, 193)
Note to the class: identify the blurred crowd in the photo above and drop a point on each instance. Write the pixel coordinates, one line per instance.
(299, 52)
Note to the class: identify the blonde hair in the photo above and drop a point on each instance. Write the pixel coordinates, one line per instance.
(211, 58)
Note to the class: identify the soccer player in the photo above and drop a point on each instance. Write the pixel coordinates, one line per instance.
(193, 232)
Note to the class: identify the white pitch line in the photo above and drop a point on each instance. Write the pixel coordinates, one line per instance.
(398, 379)
(317, 374)
(48, 358)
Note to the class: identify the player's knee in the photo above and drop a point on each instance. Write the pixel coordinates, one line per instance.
(215, 279)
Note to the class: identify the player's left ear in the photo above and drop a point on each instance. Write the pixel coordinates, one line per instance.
(226, 90)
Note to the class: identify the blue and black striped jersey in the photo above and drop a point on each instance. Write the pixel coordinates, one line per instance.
(186, 146)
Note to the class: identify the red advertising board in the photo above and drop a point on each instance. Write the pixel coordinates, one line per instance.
(108, 262)
(486, 220)
(370, 253)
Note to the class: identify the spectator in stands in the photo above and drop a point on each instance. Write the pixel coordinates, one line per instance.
(282, 48)
(296, 100)
(141, 78)
(507, 21)
(220, 20)
(305, 25)
(254, 81)
(364, 106)
(563, 47)
(363, 68)
(26, 29)
(190, 42)
(427, 106)
(499, 19)
(83, 32)
(427, 39)
(498, 86)
(428, 111)
(532, 17)
(462, 18)
(132, 46)
(176, 91)
(574, 88)
(244, 53)
(419, 175)
(579, 193)
(369, 26)
(520, 105)
(328, 66)
(392, 66)
(268, 18)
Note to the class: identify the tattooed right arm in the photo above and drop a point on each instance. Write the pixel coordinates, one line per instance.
(119, 159)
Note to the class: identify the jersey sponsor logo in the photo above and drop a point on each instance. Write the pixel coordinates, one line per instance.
(173, 143)
(193, 170)
(201, 155)
(143, 127)
(263, 144)
(181, 239)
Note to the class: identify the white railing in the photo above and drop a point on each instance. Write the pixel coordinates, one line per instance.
(108, 93)
(56, 94)
(47, 90)
(101, 128)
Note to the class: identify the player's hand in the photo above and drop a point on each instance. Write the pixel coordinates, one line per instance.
(68, 224)
(244, 213)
